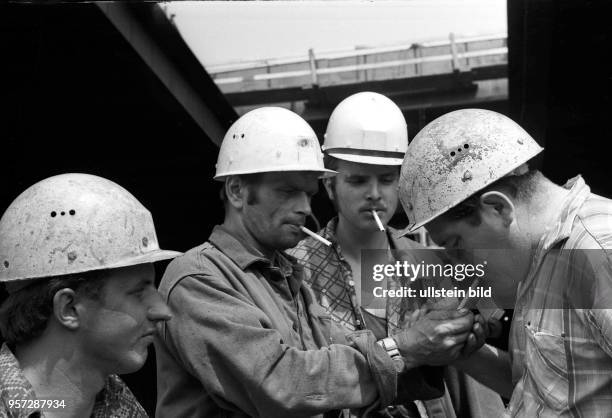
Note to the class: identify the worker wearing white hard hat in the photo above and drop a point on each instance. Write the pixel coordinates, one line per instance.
(546, 248)
(76, 254)
(365, 142)
(250, 339)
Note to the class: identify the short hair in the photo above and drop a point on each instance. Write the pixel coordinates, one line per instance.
(249, 180)
(331, 163)
(25, 313)
(520, 187)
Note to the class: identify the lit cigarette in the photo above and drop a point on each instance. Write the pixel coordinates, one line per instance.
(378, 222)
(468, 298)
(315, 236)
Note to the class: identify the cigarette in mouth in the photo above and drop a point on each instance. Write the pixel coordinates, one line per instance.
(468, 298)
(315, 236)
(378, 222)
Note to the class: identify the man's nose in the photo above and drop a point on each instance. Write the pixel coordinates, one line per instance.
(302, 204)
(373, 192)
(158, 310)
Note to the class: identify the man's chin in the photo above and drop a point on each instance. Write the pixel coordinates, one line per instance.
(134, 363)
(290, 243)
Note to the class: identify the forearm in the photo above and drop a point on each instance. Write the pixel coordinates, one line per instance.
(238, 359)
(491, 367)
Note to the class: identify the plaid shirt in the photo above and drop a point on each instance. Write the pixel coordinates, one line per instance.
(331, 278)
(115, 400)
(562, 358)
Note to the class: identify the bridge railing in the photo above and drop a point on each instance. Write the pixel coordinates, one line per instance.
(364, 64)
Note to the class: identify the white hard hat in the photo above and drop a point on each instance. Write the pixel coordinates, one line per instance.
(73, 223)
(269, 139)
(367, 128)
(455, 156)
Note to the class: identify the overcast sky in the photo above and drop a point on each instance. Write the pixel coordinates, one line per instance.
(226, 32)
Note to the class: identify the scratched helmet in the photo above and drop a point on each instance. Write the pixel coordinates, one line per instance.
(455, 156)
(74, 223)
(269, 139)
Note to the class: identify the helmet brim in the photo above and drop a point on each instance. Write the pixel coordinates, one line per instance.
(149, 257)
(323, 172)
(367, 159)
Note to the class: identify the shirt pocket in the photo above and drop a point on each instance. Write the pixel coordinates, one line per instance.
(546, 366)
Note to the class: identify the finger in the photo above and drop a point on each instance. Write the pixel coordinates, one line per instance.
(480, 323)
(480, 319)
(455, 326)
(471, 345)
(479, 338)
(480, 332)
(457, 339)
(455, 352)
(448, 314)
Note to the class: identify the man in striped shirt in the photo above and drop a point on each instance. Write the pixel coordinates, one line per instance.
(547, 249)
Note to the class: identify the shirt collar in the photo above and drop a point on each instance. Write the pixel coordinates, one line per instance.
(13, 383)
(329, 232)
(245, 256)
(562, 226)
(229, 245)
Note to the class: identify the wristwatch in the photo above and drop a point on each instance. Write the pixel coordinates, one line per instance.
(390, 346)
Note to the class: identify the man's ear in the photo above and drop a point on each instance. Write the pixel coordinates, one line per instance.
(65, 308)
(328, 183)
(235, 191)
(498, 204)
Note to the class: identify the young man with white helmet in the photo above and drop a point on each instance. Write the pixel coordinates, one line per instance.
(248, 338)
(76, 254)
(547, 253)
(365, 142)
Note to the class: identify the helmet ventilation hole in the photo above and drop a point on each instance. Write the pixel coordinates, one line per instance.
(53, 214)
(6, 263)
(72, 212)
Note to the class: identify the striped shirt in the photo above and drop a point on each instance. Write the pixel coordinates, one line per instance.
(561, 336)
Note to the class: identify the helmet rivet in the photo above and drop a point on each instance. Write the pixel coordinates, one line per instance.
(72, 255)
(6, 263)
(520, 141)
(409, 206)
(467, 176)
(145, 241)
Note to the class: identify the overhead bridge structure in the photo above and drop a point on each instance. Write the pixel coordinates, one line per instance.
(424, 79)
